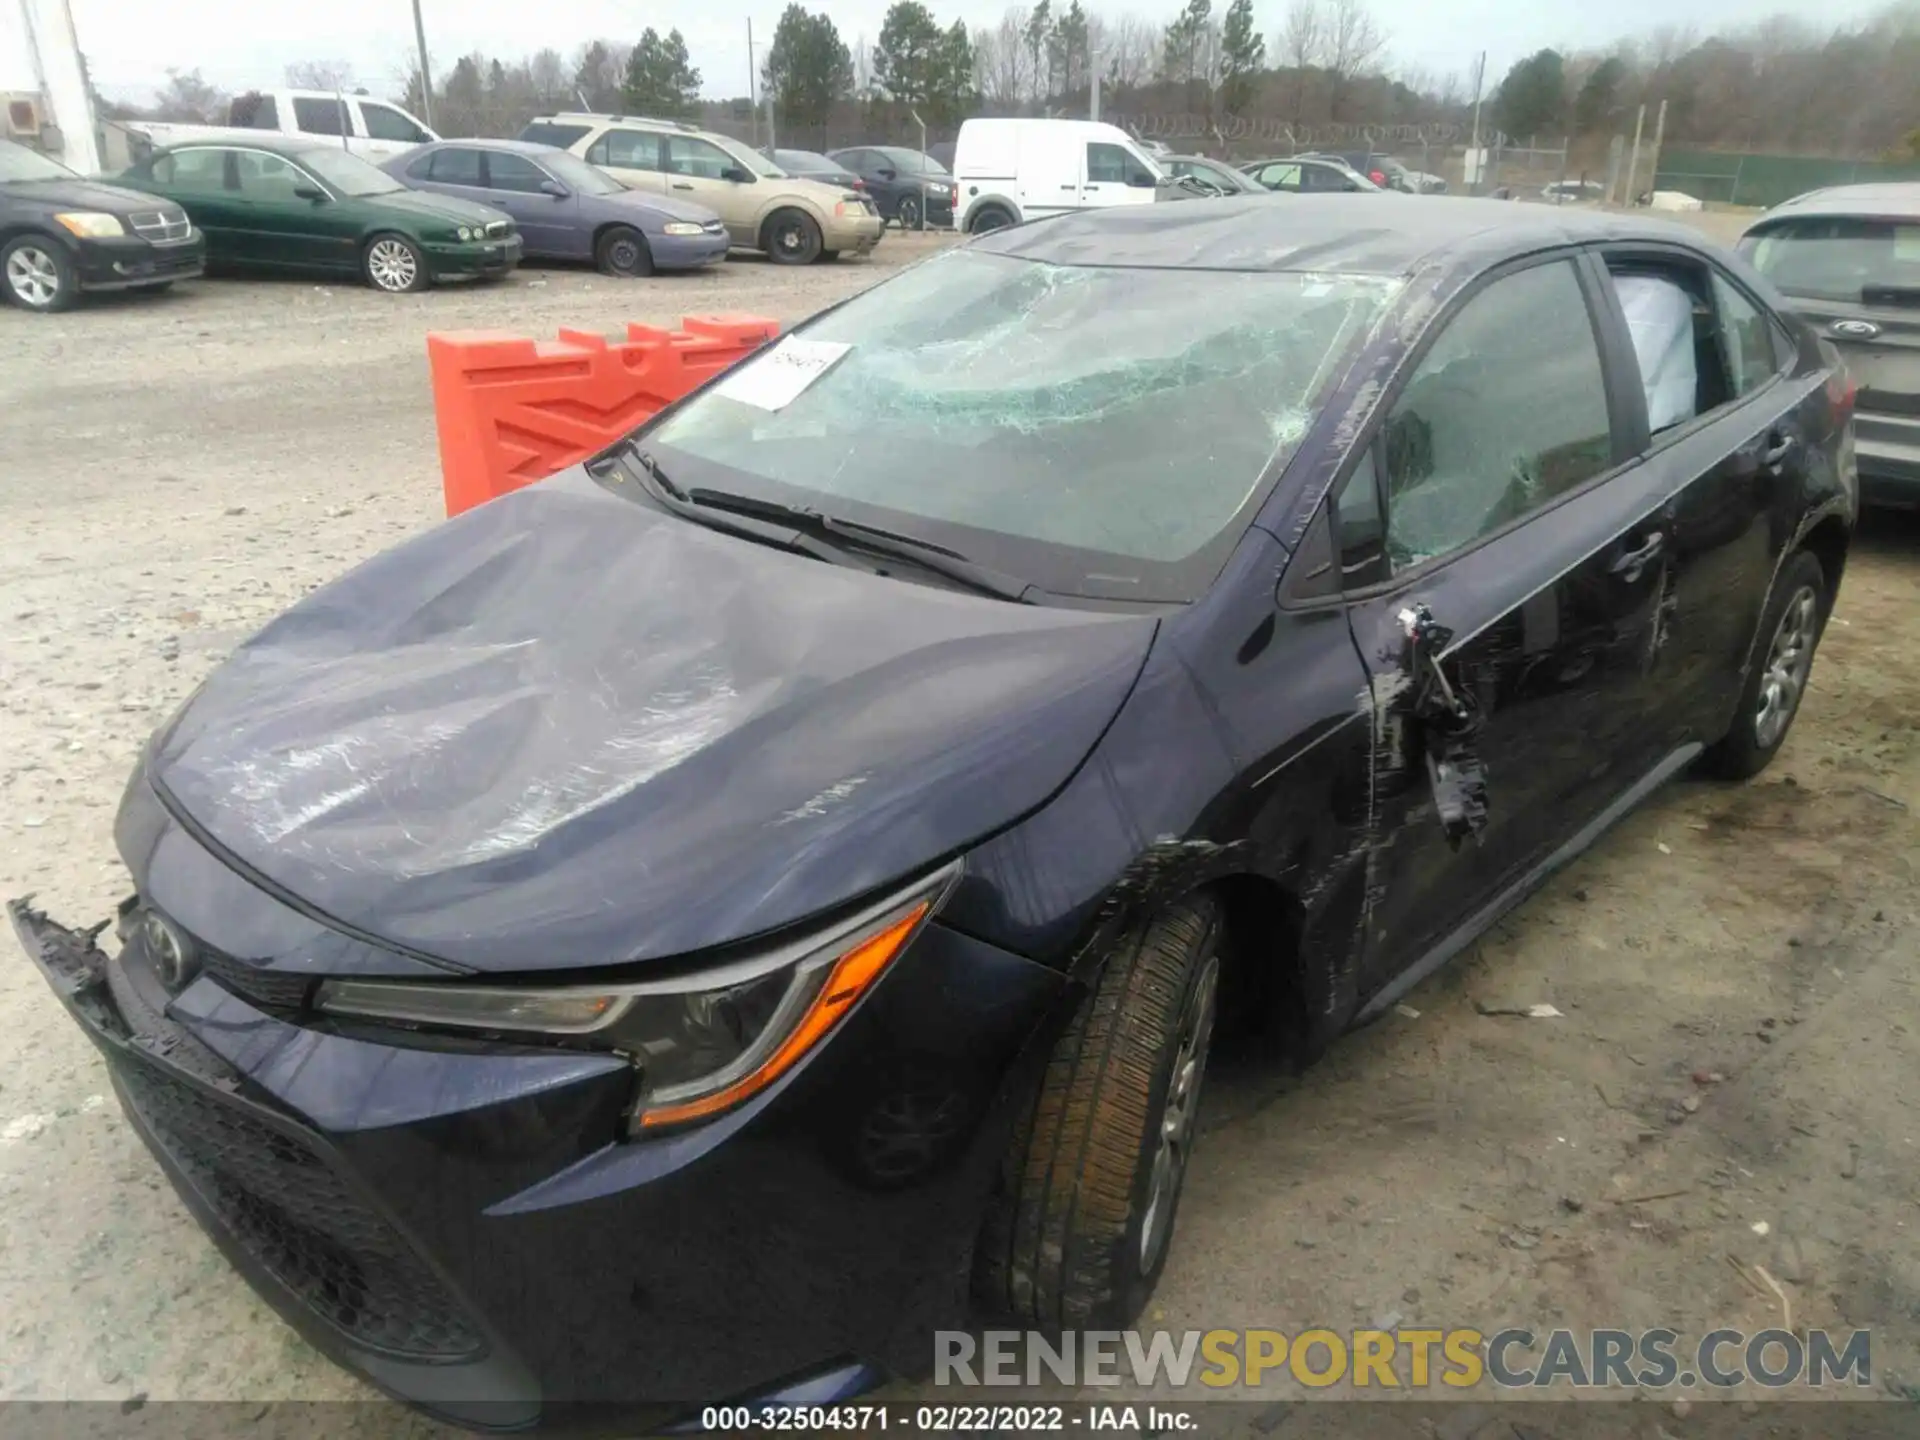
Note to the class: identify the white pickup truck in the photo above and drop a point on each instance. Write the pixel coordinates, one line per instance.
(372, 129)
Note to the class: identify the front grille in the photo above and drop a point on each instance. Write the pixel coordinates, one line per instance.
(284, 1203)
(498, 229)
(263, 987)
(161, 227)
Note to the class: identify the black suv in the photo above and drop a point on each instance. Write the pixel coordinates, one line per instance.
(61, 234)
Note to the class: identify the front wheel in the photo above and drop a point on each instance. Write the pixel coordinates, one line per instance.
(623, 252)
(1077, 1233)
(792, 238)
(1792, 624)
(394, 264)
(38, 275)
(909, 213)
(989, 217)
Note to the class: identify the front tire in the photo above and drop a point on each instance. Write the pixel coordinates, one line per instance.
(1077, 1232)
(908, 213)
(989, 217)
(393, 263)
(37, 275)
(1795, 617)
(791, 237)
(622, 252)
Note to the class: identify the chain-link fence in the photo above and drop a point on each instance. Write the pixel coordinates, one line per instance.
(1733, 178)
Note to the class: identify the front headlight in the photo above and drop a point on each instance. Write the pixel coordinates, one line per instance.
(465, 233)
(683, 227)
(92, 223)
(704, 1042)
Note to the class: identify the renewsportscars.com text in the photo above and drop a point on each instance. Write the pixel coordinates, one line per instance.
(1405, 1359)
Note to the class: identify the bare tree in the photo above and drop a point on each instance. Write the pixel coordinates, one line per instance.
(1353, 45)
(319, 75)
(1132, 51)
(1001, 54)
(1299, 46)
(547, 73)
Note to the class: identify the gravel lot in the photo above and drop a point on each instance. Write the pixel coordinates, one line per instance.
(179, 470)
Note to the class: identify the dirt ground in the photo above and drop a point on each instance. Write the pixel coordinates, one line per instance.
(177, 471)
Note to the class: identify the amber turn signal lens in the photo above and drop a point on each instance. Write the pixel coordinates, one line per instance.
(853, 974)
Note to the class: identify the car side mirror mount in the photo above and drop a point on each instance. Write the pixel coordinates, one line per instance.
(738, 174)
(309, 192)
(886, 174)
(555, 189)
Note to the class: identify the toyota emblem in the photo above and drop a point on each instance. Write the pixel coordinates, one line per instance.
(1855, 329)
(172, 953)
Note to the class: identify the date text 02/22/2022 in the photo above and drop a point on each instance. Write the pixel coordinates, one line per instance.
(947, 1419)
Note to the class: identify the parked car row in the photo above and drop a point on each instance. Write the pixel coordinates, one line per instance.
(633, 197)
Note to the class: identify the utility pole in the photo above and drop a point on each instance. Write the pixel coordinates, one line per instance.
(753, 95)
(1659, 131)
(1473, 146)
(1633, 160)
(426, 79)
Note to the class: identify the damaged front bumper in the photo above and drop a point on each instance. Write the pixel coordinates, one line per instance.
(462, 1224)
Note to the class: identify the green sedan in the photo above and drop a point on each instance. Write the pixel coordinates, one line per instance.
(277, 205)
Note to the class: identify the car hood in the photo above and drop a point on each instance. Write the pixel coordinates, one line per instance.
(425, 205)
(568, 730)
(78, 194)
(668, 207)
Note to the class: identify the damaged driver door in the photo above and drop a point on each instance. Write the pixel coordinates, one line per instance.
(1505, 590)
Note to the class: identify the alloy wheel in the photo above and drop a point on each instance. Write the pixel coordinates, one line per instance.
(33, 276)
(392, 265)
(1180, 1115)
(1789, 658)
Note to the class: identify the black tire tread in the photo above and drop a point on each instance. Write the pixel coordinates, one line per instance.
(1048, 1253)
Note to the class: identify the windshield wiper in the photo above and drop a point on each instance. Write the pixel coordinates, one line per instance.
(642, 467)
(938, 559)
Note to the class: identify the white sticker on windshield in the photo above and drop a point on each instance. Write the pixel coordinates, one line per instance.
(774, 379)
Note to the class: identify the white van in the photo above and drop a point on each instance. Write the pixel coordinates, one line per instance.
(1006, 171)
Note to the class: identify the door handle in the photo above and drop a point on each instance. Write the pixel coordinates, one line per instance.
(1629, 565)
(681, 185)
(1779, 447)
(1069, 187)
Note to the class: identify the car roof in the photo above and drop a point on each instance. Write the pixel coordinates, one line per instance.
(287, 145)
(517, 147)
(1887, 198)
(1352, 234)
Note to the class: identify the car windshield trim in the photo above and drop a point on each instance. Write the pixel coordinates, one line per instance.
(1105, 433)
(750, 159)
(345, 174)
(17, 163)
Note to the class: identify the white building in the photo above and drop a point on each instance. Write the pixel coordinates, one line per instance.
(43, 92)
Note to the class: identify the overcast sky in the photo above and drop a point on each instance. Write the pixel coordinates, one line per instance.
(130, 44)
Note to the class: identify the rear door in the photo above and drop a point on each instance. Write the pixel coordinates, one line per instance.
(632, 157)
(1858, 281)
(1499, 499)
(318, 117)
(549, 224)
(201, 179)
(1724, 448)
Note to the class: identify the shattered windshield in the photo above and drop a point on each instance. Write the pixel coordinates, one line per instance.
(1096, 431)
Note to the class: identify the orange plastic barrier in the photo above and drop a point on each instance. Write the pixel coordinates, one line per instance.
(511, 410)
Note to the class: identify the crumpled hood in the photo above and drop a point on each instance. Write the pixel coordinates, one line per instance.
(567, 730)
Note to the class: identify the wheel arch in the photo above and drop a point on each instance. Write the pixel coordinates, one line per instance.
(992, 200)
(1828, 542)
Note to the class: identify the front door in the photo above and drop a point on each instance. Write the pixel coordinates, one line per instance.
(697, 170)
(1507, 653)
(1113, 175)
(289, 219)
(549, 224)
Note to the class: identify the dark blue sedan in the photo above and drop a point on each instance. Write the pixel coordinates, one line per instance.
(567, 209)
(649, 939)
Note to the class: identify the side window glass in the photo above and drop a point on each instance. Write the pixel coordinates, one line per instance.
(268, 177)
(1660, 318)
(320, 117)
(1106, 164)
(1507, 410)
(696, 158)
(513, 172)
(456, 167)
(1746, 337)
(254, 111)
(192, 169)
(1281, 177)
(627, 150)
(385, 123)
(1360, 530)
